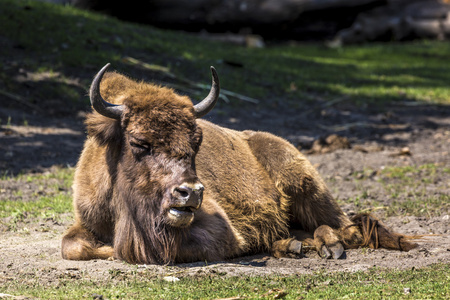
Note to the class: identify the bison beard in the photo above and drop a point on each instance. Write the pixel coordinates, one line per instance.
(140, 233)
(156, 184)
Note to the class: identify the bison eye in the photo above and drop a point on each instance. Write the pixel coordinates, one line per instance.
(140, 147)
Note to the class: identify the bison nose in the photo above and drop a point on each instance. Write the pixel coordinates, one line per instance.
(189, 195)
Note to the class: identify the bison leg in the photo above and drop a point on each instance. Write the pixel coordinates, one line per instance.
(287, 248)
(328, 242)
(307, 198)
(309, 202)
(80, 244)
(325, 240)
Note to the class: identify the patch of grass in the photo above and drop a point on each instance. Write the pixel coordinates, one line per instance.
(425, 283)
(43, 207)
(427, 172)
(49, 196)
(417, 190)
(428, 206)
(63, 175)
(412, 188)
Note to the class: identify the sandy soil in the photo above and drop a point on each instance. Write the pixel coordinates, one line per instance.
(377, 139)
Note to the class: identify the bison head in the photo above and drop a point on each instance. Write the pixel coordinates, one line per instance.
(156, 140)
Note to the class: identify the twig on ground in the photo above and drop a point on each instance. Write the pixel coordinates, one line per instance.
(327, 103)
(151, 67)
(372, 209)
(19, 99)
(190, 84)
(345, 126)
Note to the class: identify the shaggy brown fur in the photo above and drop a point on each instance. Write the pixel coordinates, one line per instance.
(260, 192)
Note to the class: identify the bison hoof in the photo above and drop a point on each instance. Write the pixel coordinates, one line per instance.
(295, 247)
(335, 251)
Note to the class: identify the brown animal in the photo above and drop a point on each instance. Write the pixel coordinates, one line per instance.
(155, 184)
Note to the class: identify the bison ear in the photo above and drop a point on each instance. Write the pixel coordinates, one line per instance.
(104, 130)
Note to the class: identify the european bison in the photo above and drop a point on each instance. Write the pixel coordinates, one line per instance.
(155, 184)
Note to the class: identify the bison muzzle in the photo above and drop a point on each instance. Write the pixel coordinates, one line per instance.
(156, 184)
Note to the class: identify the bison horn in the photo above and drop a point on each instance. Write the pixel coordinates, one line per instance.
(208, 103)
(101, 106)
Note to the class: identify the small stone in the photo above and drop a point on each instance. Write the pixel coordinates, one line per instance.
(171, 279)
(406, 291)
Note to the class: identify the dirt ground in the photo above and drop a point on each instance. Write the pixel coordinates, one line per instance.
(376, 138)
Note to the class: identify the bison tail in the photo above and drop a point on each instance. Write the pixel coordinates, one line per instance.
(377, 235)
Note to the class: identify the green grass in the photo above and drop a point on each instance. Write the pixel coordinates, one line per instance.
(426, 283)
(406, 174)
(415, 190)
(51, 196)
(409, 185)
(42, 207)
(73, 44)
